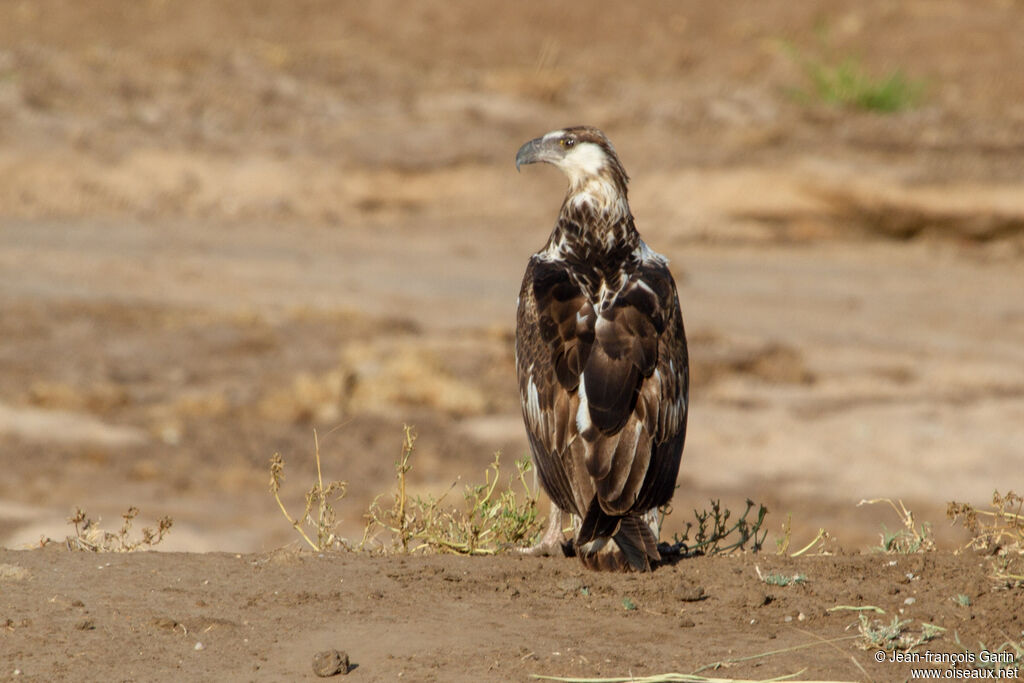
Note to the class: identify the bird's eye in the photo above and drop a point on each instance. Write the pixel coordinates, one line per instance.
(567, 142)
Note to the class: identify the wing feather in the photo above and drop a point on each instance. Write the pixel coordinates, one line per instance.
(554, 335)
(647, 416)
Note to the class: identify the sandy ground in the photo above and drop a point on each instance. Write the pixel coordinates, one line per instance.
(223, 227)
(199, 617)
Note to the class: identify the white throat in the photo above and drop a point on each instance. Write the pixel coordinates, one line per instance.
(583, 161)
(588, 183)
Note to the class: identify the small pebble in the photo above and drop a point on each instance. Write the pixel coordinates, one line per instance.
(910, 601)
(86, 625)
(330, 663)
(199, 646)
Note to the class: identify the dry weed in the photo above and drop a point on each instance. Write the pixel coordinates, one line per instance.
(782, 543)
(909, 539)
(999, 532)
(90, 537)
(319, 513)
(491, 520)
(997, 529)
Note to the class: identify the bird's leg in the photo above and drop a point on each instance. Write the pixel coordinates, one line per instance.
(553, 540)
(653, 519)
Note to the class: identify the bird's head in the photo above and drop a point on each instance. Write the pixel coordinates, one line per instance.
(587, 157)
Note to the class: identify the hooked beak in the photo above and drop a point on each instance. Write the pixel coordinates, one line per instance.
(532, 152)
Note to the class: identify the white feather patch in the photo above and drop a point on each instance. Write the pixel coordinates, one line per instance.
(645, 253)
(597, 545)
(583, 422)
(597, 192)
(533, 403)
(584, 160)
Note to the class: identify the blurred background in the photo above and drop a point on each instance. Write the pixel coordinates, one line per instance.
(226, 224)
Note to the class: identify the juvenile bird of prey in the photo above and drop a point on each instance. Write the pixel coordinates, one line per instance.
(601, 361)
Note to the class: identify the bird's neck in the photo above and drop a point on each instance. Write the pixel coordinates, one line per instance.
(599, 240)
(602, 194)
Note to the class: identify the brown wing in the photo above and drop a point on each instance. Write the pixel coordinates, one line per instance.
(554, 335)
(636, 383)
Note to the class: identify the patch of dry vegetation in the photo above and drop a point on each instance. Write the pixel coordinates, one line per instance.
(998, 532)
(89, 536)
(318, 515)
(911, 538)
(820, 540)
(491, 519)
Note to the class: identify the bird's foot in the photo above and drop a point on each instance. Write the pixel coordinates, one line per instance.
(554, 548)
(553, 543)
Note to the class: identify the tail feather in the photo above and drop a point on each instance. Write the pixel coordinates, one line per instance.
(616, 543)
(637, 542)
(596, 524)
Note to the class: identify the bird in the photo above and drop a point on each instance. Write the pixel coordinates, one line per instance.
(601, 362)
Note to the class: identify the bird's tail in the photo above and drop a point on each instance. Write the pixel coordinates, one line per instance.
(607, 543)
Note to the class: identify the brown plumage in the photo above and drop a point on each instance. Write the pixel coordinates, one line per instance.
(601, 360)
